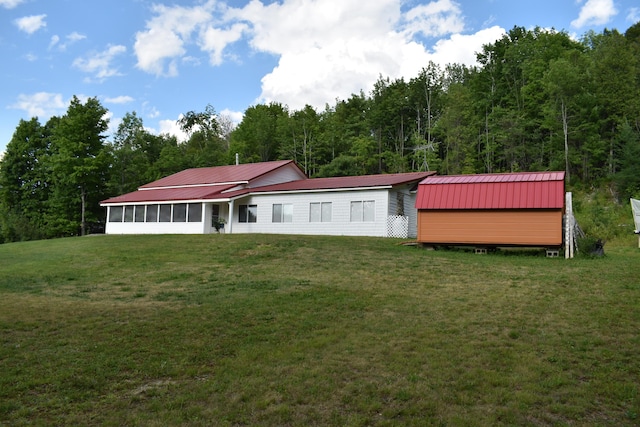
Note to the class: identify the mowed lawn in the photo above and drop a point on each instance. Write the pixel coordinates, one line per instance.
(246, 330)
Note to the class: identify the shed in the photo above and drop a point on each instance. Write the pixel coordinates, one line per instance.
(509, 209)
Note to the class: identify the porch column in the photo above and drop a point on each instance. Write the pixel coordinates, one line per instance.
(230, 222)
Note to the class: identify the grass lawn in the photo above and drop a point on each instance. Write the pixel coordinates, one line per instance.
(285, 330)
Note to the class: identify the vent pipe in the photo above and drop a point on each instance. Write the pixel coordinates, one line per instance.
(237, 159)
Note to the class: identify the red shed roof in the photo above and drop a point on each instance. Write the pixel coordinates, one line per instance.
(530, 190)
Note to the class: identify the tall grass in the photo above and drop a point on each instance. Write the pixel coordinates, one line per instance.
(289, 330)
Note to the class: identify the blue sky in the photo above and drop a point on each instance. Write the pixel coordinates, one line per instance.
(161, 59)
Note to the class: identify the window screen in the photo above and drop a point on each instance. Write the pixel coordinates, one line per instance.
(152, 213)
(139, 213)
(128, 214)
(115, 214)
(195, 212)
(180, 212)
(165, 213)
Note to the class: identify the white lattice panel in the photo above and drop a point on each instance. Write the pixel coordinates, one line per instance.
(398, 226)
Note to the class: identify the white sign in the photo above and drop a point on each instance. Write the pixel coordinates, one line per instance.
(635, 206)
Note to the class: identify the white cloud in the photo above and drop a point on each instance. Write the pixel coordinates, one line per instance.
(55, 39)
(100, 63)
(214, 40)
(123, 99)
(173, 128)
(70, 39)
(150, 111)
(75, 36)
(595, 12)
(435, 19)
(166, 35)
(633, 15)
(235, 116)
(326, 49)
(10, 4)
(462, 49)
(40, 104)
(31, 24)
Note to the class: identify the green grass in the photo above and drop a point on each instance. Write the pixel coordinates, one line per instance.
(301, 331)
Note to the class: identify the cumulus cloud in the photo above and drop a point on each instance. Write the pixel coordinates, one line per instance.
(633, 15)
(100, 63)
(595, 12)
(172, 127)
(326, 49)
(435, 19)
(214, 40)
(31, 24)
(166, 35)
(40, 104)
(10, 4)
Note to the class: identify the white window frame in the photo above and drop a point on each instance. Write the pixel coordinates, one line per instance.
(362, 211)
(320, 211)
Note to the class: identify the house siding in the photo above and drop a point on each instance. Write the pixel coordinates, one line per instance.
(278, 176)
(340, 224)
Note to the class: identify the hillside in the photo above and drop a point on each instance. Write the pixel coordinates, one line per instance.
(288, 330)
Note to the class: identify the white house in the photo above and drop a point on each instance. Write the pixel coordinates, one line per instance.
(270, 197)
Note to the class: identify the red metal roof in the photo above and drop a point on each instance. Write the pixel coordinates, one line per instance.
(211, 192)
(218, 174)
(530, 190)
(170, 194)
(343, 182)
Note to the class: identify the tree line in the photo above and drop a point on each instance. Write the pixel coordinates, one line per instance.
(538, 100)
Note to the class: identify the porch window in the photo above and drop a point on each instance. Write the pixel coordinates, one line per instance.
(180, 212)
(139, 213)
(128, 213)
(195, 212)
(115, 214)
(152, 213)
(248, 213)
(282, 213)
(165, 213)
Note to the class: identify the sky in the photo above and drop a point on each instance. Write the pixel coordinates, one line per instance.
(163, 58)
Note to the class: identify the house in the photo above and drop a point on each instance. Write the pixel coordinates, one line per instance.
(269, 197)
(510, 209)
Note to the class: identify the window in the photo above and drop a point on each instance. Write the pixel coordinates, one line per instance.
(282, 213)
(195, 212)
(139, 214)
(115, 214)
(320, 212)
(248, 213)
(180, 212)
(165, 213)
(363, 211)
(128, 214)
(152, 213)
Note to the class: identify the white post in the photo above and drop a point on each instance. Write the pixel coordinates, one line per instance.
(230, 222)
(569, 227)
